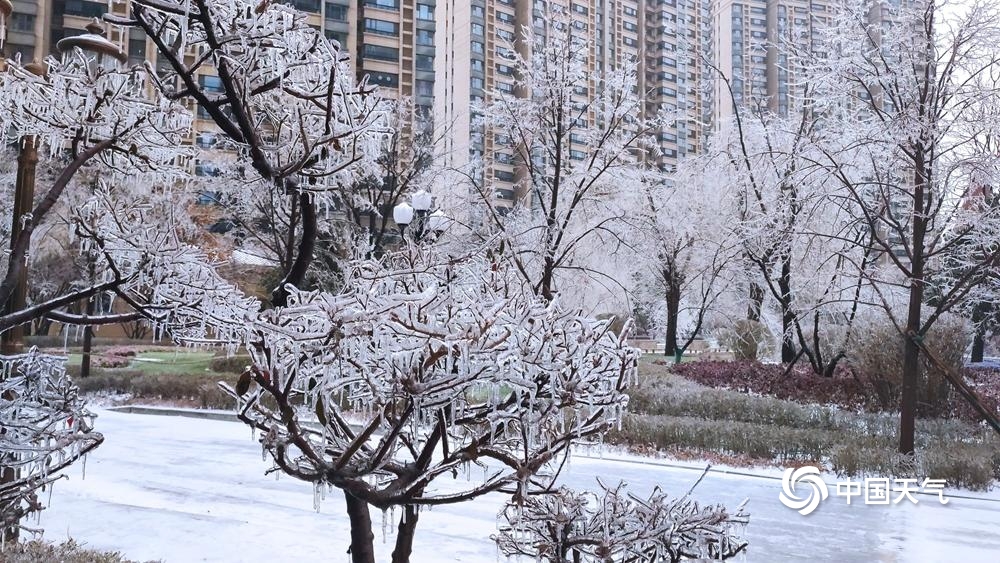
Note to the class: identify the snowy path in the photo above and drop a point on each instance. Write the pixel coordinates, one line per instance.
(181, 490)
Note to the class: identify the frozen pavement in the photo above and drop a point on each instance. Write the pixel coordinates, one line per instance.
(180, 489)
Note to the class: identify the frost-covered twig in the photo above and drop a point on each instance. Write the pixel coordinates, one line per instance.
(611, 525)
(44, 428)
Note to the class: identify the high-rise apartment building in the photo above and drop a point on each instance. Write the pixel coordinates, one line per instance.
(473, 65)
(749, 39)
(448, 56)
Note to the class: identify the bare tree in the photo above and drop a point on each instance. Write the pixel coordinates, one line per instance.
(616, 526)
(286, 103)
(909, 90)
(451, 363)
(577, 138)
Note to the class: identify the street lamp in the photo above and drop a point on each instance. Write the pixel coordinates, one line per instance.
(106, 54)
(6, 8)
(24, 196)
(106, 57)
(418, 213)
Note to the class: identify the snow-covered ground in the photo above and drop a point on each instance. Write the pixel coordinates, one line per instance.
(181, 489)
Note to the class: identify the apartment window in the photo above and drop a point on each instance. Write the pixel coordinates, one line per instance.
(505, 35)
(504, 175)
(478, 29)
(478, 47)
(206, 169)
(579, 8)
(425, 37)
(506, 195)
(425, 62)
(503, 158)
(477, 65)
(381, 27)
(506, 87)
(380, 53)
(306, 5)
(211, 84)
(136, 45)
(476, 82)
(577, 155)
(206, 140)
(383, 4)
(336, 12)
(338, 36)
(387, 79)
(424, 87)
(477, 12)
(629, 41)
(22, 22)
(84, 8)
(505, 17)
(629, 11)
(629, 26)
(505, 70)
(425, 12)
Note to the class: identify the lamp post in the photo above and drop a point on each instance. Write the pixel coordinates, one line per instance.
(106, 56)
(418, 213)
(24, 195)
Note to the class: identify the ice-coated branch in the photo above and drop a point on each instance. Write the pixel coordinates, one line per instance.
(44, 428)
(447, 363)
(611, 525)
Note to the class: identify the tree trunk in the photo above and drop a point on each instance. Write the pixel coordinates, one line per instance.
(978, 346)
(911, 348)
(88, 340)
(404, 535)
(788, 353)
(362, 539)
(673, 311)
(978, 343)
(756, 302)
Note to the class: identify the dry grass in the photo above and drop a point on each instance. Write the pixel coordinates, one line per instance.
(66, 552)
(674, 415)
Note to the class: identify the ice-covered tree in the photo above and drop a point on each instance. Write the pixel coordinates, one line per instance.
(684, 253)
(453, 365)
(576, 138)
(286, 103)
(44, 428)
(908, 93)
(616, 526)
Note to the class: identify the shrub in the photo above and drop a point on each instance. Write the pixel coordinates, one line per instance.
(800, 384)
(199, 390)
(66, 552)
(876, 353)
(230, 364)
(747, 339)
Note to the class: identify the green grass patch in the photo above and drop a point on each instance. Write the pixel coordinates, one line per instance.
(167, 361)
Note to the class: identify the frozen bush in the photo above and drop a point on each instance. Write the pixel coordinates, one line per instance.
(876, 354)
(748, 340)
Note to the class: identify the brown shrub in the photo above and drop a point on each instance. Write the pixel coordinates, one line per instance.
(876, 354)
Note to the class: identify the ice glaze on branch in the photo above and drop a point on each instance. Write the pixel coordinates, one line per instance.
(450, 363)
(44, 428)
(615, 526)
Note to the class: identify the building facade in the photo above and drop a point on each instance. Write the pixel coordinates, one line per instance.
(448, 56)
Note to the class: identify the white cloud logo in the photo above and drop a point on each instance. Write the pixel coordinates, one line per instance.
(807, 476)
